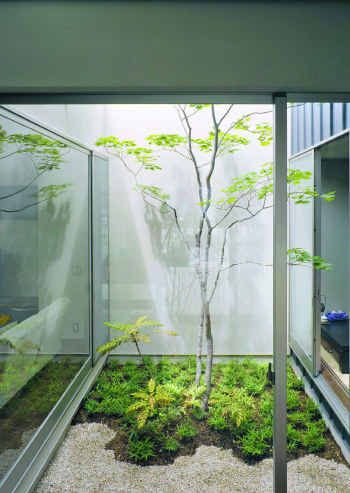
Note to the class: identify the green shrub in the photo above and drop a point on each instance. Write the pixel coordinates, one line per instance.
(170, 414)
(312, 409)
(159, 414)
(141, 450)
(198, 413)
(192, 397)
(293, 400)
(186, 431)
(266, 406)
(293, 381)
(294, 438)
(257, 442)
(217, 422)
(313, 438)
(234, 404)
(171, 444)
(298, 418)
(92, 406)
(148, 402)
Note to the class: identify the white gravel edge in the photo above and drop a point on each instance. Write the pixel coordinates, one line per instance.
(83, 465)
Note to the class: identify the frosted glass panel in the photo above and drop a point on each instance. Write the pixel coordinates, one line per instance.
(301, 276)
(151, 270)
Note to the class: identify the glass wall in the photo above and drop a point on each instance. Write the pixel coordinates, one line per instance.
(319, 283)
(44, 274)
(301, 236)
(334, 284)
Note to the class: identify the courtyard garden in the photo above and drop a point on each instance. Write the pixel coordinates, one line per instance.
(156, 412)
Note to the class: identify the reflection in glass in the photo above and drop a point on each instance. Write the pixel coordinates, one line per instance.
(44, 282)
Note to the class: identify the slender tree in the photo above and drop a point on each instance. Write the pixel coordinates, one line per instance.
(242, 200)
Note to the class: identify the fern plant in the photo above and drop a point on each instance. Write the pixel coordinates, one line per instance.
(141, 450)
(235, 405)
(133, 333)
(149, 402)
(192, 397)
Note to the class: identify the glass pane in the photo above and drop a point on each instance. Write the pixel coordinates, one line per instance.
(301, 233)
(44, 283)
(319, 293)
(334, 285)
(100, 250)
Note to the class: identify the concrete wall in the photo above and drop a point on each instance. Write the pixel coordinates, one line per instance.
(150, 272)
(82, 46)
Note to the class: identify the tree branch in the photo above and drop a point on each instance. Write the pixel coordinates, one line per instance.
(20, 190)
(24, 207)
(225, 114)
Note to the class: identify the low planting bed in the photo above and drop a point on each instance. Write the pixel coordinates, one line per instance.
(155, 412)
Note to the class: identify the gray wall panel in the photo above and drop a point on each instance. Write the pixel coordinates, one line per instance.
(104, 45)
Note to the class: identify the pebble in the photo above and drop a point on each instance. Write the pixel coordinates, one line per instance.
(83, 465)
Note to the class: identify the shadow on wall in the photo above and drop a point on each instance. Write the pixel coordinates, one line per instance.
(151, 270)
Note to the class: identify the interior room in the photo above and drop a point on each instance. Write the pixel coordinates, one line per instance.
(334, 246)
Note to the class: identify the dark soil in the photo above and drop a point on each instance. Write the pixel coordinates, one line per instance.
(205, 436)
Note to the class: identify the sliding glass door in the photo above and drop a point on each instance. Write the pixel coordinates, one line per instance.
(301, 274)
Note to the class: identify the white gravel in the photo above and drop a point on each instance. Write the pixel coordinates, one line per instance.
(82, 465)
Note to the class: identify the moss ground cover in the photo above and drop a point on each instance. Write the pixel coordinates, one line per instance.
(32, 403)
(156, 411)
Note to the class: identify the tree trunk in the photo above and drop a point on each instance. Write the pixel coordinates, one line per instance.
(199, 349)
(209, 358)
(138, 349)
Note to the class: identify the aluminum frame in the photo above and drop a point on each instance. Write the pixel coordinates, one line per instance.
(316, 367)
(155, 96)
(96, 356)
(280, 294)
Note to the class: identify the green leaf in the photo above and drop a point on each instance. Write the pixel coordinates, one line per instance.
(264, 133)
(142, 155)
(199, 106)
(50, 192)
(154, 192)
(169, 141)
(301, 256)
(328, 196)
(151, 386)
(132, 333)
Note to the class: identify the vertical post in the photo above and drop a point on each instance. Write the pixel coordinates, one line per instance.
(316, 364)
(280, 293)
(91, 261)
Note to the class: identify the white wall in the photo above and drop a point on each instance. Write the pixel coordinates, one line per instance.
(147, 279)
(103, 46)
